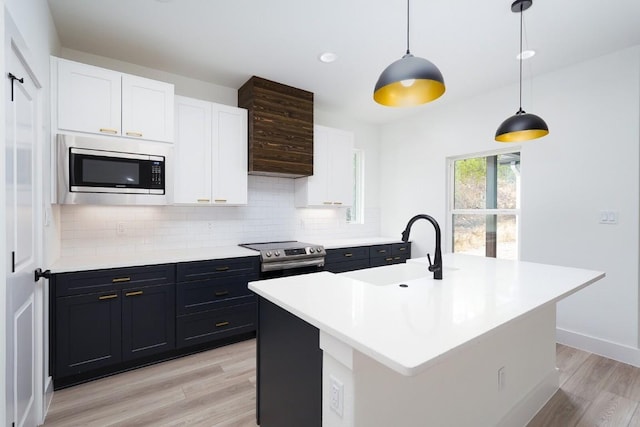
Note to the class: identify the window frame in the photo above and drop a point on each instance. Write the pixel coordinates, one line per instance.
(451, 211)
(355, 213)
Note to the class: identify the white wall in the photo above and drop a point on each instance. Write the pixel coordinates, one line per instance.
(589, 162)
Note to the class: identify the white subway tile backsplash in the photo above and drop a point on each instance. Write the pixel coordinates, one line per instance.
(269, 216)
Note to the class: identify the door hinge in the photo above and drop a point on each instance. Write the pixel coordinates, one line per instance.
(13, 80)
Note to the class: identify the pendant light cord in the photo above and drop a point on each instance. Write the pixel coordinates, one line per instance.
(408, 52)
(520, 60)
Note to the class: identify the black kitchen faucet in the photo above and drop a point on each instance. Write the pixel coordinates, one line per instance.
(436, 267)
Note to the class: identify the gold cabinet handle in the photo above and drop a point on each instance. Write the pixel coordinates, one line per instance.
(220, 200)
(108, 130)
(337, 203)
(138, 134)
(133, 294)
(326, 203)
(120, 279)
(388, 259)
(221, 293)
(396, 258)
(221, 324)
(403, 249)
(203, 200)
(348, 254)
(382, 251)
(108, 296)
(222, 268)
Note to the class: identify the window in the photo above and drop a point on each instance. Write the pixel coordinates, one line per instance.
(355, 214)
(485, 205)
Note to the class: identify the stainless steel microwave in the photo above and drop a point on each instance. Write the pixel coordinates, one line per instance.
(112, 171)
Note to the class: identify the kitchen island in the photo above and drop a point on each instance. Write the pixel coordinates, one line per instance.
(391, 346)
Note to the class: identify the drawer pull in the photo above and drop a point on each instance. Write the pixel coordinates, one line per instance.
(203, 200)
(396, 258)
(222, 268)
(221, 324)
(382, 251)
(108, 130)
(348, 254)
(108, 296)
(220, 200)
(404, 248)
(120, 279)
(326, 203)
(138, 134)
(222, 293)
(133, 294)
(388, 259)
(337, 203)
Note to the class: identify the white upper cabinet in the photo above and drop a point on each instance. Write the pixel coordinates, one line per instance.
(211, 153)
(147, 108)
(332, 180)
(89, 98)
(229, 155)
(96, 100)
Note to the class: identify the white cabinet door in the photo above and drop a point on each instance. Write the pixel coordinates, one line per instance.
(340, 168)
(88, 98)
(332, 180)
(317, 184)
(147, 108)
(229, 155)
(192, 170)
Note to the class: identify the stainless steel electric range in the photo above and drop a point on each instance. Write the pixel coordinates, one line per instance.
(288, 258)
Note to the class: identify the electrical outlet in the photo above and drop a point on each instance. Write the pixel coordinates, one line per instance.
(336, 395)
(121, 229)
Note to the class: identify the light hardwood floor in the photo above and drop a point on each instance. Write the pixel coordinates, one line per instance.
(217, 388)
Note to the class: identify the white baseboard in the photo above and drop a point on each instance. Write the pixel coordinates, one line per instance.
(611, 350)
(527, 408)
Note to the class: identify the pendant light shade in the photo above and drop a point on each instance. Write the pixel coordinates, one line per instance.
(522, 126)
(409, 81)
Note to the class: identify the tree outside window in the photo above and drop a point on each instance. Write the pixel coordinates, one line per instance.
(485, 205)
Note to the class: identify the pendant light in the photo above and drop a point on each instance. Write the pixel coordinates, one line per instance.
(409, 81)
(522, 126)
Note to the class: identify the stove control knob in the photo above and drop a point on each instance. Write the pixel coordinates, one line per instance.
(277, 253)
(311, 250)
(319, 250)
(268, 254)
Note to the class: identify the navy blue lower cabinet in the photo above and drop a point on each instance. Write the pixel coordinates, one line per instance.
(88, 332)
(148, 321)
(289, 369)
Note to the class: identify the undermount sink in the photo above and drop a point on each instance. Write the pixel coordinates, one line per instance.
(390, 274)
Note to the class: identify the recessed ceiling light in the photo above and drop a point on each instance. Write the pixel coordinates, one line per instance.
(526, 54)
(327, 57)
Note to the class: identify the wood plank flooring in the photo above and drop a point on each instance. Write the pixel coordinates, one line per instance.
(217, 388)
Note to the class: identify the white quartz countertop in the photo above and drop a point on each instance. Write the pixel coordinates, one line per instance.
(411, 328)
(94, 262)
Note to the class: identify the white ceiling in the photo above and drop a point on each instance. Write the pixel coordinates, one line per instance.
(473, 42)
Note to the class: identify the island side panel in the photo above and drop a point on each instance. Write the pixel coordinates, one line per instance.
(464, 389)
(289, 369)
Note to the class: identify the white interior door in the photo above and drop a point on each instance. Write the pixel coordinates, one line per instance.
(23, 237)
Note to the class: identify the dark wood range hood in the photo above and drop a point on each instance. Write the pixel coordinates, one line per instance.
(280, 128)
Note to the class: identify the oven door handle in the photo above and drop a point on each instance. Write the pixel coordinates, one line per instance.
(285, 265)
